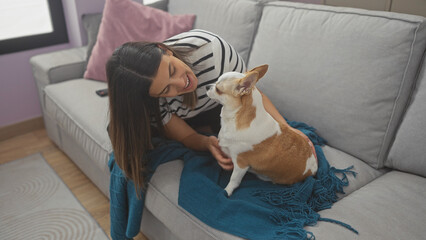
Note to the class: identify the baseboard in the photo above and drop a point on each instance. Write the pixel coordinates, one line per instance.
(23, 127)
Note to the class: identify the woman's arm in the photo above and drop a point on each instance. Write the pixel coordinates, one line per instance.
(177, 129)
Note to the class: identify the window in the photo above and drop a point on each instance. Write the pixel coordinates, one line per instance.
(28, 24)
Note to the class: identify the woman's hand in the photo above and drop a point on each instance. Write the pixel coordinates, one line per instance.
(222, 159)
(177, 129)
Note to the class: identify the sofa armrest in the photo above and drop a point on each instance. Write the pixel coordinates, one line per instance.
(59, 66)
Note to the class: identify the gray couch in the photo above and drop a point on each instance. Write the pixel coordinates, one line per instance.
(357, 76)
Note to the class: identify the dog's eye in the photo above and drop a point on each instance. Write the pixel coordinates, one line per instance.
(218, 91)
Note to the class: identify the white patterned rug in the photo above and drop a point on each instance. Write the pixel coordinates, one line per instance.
(36, 204)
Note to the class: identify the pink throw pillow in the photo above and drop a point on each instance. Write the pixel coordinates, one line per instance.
(124, 21)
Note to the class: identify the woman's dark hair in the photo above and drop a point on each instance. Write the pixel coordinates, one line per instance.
(132, 111)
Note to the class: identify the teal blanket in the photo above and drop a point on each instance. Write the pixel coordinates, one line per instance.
(256, 210)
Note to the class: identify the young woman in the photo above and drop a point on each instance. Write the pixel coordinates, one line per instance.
(159, 89)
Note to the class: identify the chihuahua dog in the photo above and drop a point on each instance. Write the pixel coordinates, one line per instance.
(253, 139)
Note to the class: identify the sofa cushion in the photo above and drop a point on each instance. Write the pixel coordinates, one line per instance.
(407, 153)
(347, 72)
(391, 207)
(364, 172)
(162, 201)
(243, 14)
(163, 191)
(91, 23)
(139, 23)
(153, 229)
(82, 114)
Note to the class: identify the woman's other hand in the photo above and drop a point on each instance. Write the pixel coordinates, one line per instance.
(222, 159)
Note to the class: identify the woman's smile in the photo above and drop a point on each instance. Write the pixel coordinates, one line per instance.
(187, 82)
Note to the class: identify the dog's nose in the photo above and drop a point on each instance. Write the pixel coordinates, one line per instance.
(208, 87)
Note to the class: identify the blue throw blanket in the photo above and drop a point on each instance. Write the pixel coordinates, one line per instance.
(256, 210)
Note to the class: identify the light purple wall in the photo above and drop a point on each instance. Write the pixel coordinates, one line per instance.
(18, 93)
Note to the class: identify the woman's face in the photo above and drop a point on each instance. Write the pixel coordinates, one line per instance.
(173, 78)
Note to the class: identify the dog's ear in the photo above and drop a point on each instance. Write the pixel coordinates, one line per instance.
(246, 84)
(261, 70)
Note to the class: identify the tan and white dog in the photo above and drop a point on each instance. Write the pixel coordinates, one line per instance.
(253, 139)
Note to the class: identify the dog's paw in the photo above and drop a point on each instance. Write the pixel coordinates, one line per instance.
(229, 191)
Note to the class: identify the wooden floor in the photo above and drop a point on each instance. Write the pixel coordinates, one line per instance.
(86, 192)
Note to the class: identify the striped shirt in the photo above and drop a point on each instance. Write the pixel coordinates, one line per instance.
(211, 57)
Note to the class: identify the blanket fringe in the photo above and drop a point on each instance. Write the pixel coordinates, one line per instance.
(300, 212)
(339, 223)
(286, 196)
(293, 231)
(327, 186)
(297, 207)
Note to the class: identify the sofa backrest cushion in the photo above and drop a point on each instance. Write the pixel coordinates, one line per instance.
(407, 153)
(234, 20)
(91, 23)
(347, 72)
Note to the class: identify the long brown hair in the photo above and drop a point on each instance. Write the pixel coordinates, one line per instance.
(132, 111)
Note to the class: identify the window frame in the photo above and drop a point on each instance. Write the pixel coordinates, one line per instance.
(58, 36)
